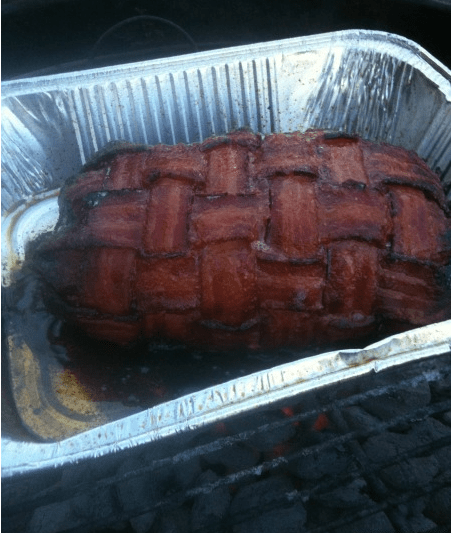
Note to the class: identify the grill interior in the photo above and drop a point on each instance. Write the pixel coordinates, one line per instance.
(59, 35)
(370, 454)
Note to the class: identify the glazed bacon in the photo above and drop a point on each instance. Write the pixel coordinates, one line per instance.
(290, 239)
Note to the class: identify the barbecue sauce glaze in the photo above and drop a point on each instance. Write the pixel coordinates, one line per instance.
(250, 241)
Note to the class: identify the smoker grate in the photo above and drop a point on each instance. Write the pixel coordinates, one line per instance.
(371, 454)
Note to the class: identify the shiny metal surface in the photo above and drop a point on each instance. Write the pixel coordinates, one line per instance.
(231, 398)
(380, 86)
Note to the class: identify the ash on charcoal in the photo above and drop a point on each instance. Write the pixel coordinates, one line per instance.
(320, 516)
(232, 458)
(438, 508)
(446, 417)
(96, 506)
(50, 518)
(420, 524)
(444, 479)
(142, 523)
(139, 491)
(265, 441)
(262, 493)
(281, 520)
(119, 527)
(187, 472)
(263, 507)
(330, 462)
(443, 456)
(429, 430)
(267, 436)
(376, 523)
(210, 509)
(442, 387)
(347, 497)
(414, 507)
(388, 444)
(358, 418)
(97, 469)
(405, 399)
(412, 474)
(174, 521)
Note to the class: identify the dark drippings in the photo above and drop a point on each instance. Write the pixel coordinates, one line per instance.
(139, 376)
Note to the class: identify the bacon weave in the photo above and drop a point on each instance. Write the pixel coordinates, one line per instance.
(290, 239)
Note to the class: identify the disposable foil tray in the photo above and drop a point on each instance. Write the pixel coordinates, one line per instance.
(374, 84)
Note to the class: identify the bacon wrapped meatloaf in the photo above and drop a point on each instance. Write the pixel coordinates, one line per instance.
(245, 240)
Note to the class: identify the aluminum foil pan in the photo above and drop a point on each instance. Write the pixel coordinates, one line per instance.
(231, 398)
(377, 85)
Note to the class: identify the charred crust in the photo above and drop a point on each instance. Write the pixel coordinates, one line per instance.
(111, 150)
(330, 135)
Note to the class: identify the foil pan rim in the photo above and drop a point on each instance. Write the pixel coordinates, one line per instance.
(431, 66)
(276, 384)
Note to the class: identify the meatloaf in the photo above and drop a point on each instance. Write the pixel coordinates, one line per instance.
(249, 240)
